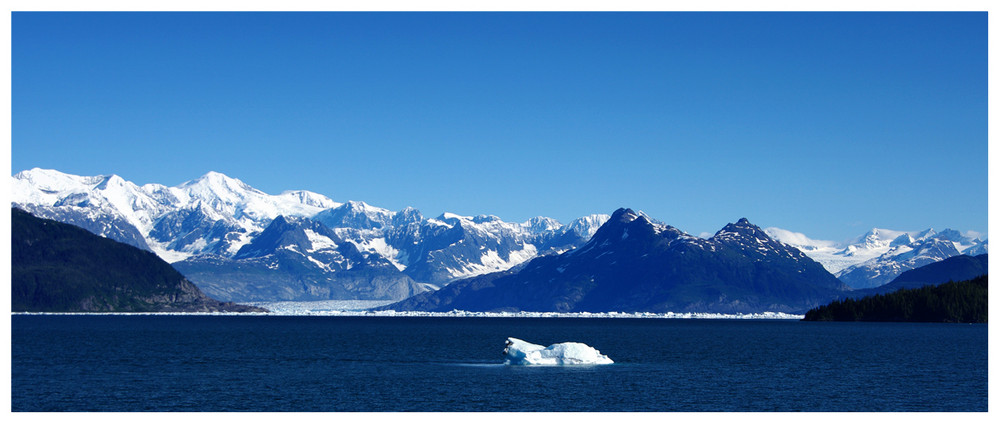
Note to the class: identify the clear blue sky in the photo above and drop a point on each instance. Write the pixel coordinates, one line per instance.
(823, 123)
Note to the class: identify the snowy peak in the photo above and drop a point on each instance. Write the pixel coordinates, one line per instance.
(353, 214)
(744, 234)
(407, 216)
(902, 240)
(308, 198)
(211, 214)
(109, 194)
(586, 226)
(741, 227)
(308, 245)
(281, 233)
(629, 231)
(214, 186)
(50, 180)
(879, 255)
(626, 216)
(884, 268)
(239, 201)
(875, 239)
(757, 243)
(482, 219)
(541, 224)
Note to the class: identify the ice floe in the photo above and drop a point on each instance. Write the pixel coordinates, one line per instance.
(520, 352)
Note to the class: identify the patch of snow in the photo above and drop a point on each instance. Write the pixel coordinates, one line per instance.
(319, 241)
(449, 215)
(379, 246)
(491, 261)
(168, 255)
(321, 265)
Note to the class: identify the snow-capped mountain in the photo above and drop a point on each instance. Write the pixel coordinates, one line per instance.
(299, 259)
(901, 257)
(449, 247)
(633, 263)
(878, 256)
(955, 268)
(212, 214)
(213, 218)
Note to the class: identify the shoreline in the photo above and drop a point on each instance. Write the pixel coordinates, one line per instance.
(462, 314)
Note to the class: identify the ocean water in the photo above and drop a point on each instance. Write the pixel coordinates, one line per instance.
(324, 363)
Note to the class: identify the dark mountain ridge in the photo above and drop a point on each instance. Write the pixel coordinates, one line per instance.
(57, 267)
(955, 268)
(633, 264)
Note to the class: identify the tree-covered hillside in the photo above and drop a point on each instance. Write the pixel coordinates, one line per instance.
(58, 267)
(963, 301)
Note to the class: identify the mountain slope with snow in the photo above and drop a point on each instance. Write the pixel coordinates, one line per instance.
(212, 214)
(878, 256)
(634, 263)
(213, 217)
(210, 220)
(302, 260)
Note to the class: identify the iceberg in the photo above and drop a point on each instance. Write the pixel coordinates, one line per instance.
(520, 352)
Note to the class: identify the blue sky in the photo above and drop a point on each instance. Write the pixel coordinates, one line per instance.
(822, 123)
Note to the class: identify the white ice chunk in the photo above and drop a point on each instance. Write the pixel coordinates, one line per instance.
(520, 352)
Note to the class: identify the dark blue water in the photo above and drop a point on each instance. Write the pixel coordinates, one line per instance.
(283, 363)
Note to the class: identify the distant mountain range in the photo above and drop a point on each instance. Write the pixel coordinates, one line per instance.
(952, 290)
(57, 267)
(225, 236)
(634, 263)
(955, 268)
(238, 243)
(876, 257)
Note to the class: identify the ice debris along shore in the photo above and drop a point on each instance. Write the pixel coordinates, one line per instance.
(363, 308)
(520, 352)
(307, 311)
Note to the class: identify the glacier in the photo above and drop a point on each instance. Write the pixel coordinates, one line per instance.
(520, 352)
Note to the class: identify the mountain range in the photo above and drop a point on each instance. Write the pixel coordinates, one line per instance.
(635, 264)
(878, 256)
(238, 243)
(226, 236)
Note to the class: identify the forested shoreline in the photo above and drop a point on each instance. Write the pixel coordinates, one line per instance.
(961, 301)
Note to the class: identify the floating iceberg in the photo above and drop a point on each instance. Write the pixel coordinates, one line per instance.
(520, 352)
